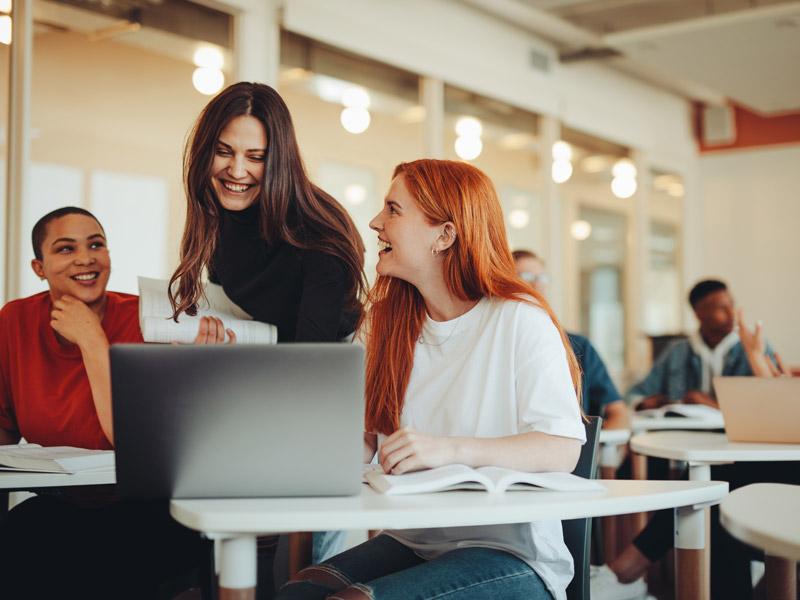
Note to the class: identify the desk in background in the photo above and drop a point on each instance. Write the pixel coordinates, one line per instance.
(764, 515)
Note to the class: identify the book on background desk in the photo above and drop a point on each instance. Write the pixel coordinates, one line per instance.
(155, 316)
(462, 477)
(54, 459)
(679, 410)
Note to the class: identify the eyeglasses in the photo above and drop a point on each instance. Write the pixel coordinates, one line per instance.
(532, 278)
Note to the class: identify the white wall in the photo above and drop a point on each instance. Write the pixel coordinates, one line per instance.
(751, 229)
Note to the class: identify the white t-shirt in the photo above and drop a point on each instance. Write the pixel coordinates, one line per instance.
(499, 369)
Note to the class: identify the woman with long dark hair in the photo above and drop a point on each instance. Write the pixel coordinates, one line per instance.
(466, 364)
(282, 248)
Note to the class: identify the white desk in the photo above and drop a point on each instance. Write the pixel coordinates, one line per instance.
(703, 449)
(237, 522)
(610, 440)
(764, 515)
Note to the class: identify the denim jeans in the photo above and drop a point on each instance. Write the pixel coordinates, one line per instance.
(384, 569)
(273, 564)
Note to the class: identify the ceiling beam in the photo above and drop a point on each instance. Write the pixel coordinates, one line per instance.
(773, 11)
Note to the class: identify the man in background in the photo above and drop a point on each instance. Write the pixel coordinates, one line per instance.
(600, 395)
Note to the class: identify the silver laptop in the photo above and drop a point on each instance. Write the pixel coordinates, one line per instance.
(238, 421)
(758, 409)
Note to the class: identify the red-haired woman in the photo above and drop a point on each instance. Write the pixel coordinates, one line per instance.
(466, 364)
(283, 249)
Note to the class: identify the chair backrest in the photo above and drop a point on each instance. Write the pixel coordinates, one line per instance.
(578, 532)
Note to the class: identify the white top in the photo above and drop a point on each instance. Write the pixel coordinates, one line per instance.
(706, 447)
(499, 369)
(764, 515)
(371, 510)
(711, 359)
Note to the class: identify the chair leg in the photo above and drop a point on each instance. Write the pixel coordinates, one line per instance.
(300, 549)
(208, 573)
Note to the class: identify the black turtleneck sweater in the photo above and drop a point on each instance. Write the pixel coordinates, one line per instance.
(302, 292)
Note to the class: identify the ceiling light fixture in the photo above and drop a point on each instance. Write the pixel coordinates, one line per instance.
(208, 77)
(581, 230)
(5, 30)
(468, 145)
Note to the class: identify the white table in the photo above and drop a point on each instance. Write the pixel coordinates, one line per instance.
(764, 515)
(703, 449)
(610, 440)
(237, 522)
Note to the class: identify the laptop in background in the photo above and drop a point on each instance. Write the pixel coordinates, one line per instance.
(238, 421)
(759, 409)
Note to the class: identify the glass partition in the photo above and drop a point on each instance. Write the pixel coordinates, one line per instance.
(662, 287)
(502, 141)
(114, 94)
(602, 254)
(356, 119)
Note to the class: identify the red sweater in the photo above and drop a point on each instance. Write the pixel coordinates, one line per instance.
(44, 390)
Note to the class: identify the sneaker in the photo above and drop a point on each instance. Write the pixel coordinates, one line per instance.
(604, 585)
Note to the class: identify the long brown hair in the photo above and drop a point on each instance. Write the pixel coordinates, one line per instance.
(291, 208)
(478, 264)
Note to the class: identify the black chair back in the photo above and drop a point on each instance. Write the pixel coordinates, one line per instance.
(578, 532)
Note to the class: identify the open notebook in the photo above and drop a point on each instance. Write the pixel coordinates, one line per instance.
(680, 410)
(155, 316)
(54, 459)
(462, 477)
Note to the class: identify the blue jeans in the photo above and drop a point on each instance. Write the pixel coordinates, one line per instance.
(384, 569)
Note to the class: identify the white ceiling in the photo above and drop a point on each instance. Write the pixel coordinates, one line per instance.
(745, 51)
(752, 58)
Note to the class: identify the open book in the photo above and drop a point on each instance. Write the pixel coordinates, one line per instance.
(462, 477)
(679, 410)
(54, 459)
(155, 316)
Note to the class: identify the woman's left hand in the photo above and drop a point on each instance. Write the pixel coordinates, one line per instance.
(408, 450)
(212, 331)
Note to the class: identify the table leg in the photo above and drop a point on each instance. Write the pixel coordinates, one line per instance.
(637, 521)
(781, 578)
(691, 569)
(702, 472)
(610, 524)
(237, 569)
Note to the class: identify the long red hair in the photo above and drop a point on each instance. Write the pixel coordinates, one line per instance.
(478, 264)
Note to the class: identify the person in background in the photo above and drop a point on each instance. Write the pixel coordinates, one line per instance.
(684, 371)
(600, 395)
(761, 362)
(283, 249)
(466, 363)
(55, 390)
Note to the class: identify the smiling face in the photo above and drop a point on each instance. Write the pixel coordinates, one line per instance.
(406, 239)
(716, 313)
(75, 259)
(237, 172)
